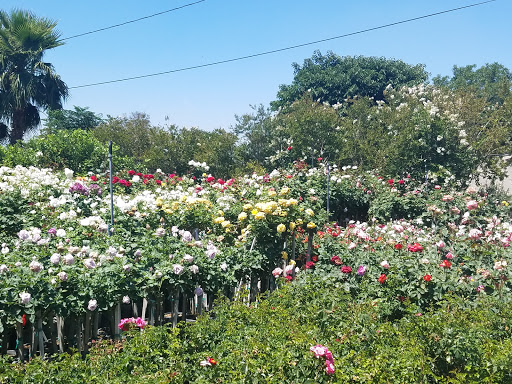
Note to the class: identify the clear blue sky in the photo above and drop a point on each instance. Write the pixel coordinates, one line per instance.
(215, 30)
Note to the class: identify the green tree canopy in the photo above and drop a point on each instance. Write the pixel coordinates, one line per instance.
(27, 83)
(69, 120)
(491, 81)
(333, 79)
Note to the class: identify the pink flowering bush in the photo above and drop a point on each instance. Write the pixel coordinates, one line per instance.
(128, 323)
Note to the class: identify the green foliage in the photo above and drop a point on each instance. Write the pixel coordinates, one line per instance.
(27, 83)
(78, 118)
(269, 342)
(77, 150)
(333, 79)
(169, 149)
(255, 132)
(310, 129)
(13, 213)
(491, 81)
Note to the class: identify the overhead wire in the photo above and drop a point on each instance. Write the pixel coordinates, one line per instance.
(281, 49)
(132, 21)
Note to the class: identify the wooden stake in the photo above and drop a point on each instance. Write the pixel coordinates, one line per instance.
(117, 320)
(19, 342)
(176, 302)
(144, 308)
(40, 334)
(87, 330)
(60, 333)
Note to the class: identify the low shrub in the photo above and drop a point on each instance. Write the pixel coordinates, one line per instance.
(270, 341)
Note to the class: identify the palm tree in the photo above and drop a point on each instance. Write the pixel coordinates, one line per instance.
(27, 83)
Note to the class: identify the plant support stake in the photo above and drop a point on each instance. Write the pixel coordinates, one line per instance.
(328, 177)
(111, 190)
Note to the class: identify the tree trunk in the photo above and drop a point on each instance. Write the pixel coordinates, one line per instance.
(17, 126)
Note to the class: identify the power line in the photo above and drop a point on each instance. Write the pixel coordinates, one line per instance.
(281, 49)
(132, 21)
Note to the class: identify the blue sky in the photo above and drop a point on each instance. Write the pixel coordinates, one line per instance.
(216, 30)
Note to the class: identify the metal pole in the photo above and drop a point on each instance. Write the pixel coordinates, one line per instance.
(328, 178)
(111, 226)
(426, 176)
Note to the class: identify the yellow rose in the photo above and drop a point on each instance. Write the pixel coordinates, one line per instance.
(284, 255)
(242, 216)
(260, 216)
(247, 207)
(311, 225)
(293, 202)
(159, 202)
(299, 221)
(218, 220)
(281, 228)
(220, 213)
(226, 224)
(310, 212)
(292, 226)
(284, 191)
(292, 262)
(272, 193)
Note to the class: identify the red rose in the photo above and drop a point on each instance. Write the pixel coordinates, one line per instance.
(398, 246)
(314, 258)
(346, 269)
(310, 265)
(212, 361)
(210, 179)
(94, 178)
(427, 278)
(415, 248)
(391, 181)
(401, 182)
(445, 264)
(382, 278)
(336, 260)
(159, 182)
(289, 148)
(131, 172)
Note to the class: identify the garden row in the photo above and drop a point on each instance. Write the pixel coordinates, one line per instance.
(176, 238)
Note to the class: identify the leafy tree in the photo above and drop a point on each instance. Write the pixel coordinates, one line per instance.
(79, 118)
(333, 79)
(491, 81)
(255, 132)
(308, 130)
(168, 148)
(132, 134)
(27, 83)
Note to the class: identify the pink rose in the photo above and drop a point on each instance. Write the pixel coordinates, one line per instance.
(472, 204)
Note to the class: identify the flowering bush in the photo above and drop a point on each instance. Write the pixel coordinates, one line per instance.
(176, 234)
